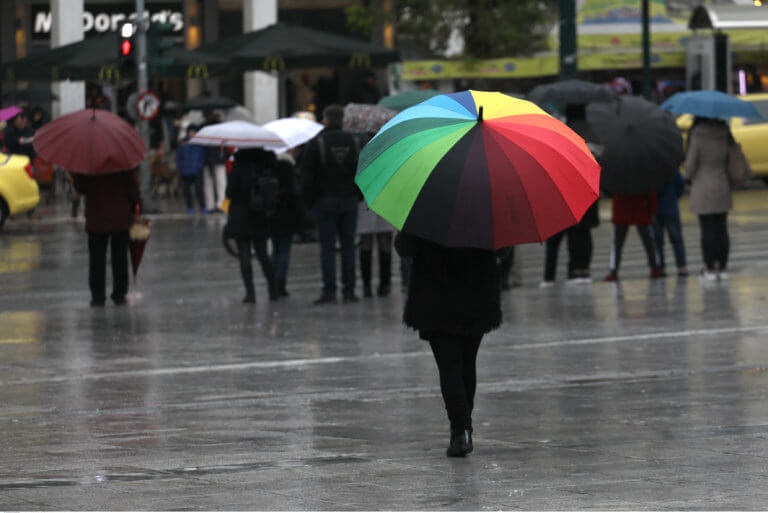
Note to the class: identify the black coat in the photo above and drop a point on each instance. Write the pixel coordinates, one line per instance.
(451, 290)
(289, 214)
(242, 221)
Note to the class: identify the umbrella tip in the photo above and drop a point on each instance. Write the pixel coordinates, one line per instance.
(480, 113)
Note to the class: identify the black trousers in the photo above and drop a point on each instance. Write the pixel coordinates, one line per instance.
(259, 245)
(715, 242)
(646, 237)
(456, 358)
(97, 265)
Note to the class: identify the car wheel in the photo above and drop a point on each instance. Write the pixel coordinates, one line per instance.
(3, 212)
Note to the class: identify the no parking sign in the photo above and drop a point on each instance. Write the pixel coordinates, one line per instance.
(148, 105)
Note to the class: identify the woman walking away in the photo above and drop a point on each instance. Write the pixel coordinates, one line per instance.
(453, 300)
(710, 196)
(287, 219)
(247, 222)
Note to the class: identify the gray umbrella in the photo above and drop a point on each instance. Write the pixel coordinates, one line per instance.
(571, 91)
(642, 146)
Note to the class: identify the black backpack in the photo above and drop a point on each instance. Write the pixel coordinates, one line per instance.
(265, 190)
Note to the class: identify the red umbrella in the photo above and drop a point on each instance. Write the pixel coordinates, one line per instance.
(90, 141)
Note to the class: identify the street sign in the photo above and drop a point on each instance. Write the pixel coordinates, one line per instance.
(148, 105)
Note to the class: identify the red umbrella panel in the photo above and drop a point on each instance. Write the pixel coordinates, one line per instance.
(90, 141)
(478, 169)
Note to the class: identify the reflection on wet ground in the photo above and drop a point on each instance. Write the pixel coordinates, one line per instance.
(635, 395)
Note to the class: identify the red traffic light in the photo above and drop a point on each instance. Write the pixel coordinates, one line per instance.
(126, 47)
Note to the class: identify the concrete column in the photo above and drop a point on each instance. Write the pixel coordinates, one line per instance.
(67, 27)
(261, 89)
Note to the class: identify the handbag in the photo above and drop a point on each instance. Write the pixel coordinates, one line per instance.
(737, 168)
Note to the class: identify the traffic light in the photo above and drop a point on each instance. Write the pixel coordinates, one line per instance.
(158, 41)
(126, 50)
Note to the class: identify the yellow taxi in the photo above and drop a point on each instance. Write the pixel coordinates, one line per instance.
(752, 134)
(19, 191)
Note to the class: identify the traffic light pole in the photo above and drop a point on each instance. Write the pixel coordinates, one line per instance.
(143, 83)
(568, 51)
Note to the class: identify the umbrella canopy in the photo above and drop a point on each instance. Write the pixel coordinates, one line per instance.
(710, 104)
(9, 112)
(294, 131)
(283, 46)
(642, 146)
(478, 169)
(238, 134)
(402, 101)
(365, 117)
(571, 91)
(90, 141)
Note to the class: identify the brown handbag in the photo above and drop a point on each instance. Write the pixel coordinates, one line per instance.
(738, 169)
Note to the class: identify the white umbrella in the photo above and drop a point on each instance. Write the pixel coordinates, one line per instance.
(294, 131)
(238, 134)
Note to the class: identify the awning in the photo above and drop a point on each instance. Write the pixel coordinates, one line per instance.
(728, 17)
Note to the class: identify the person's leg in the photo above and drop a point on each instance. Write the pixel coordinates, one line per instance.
(470, 346)
(505, 266)
(187, 182)
(260, 248)
(365, 248)
(246, 270)
(550, 256)
(209, 186)
(119, 256)
(649, 244)
(722, 241)
(347, 226)
(619, 236)
(384, 242)
(326, 234)
(657, 229)
(197, 181)
(580, 249)
(220, 176)
(97, 267)
(448, 351)
(675, 232)
(707, 225)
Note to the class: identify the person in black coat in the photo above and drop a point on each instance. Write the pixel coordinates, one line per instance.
(247, 226)
(453, 300)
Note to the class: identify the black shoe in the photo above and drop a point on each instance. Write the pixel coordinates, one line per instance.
(249, 299)
(461, 444)
(351, 299)
(383, 290)
(323, 300)
(96, 303)
(119, 301)
(367, 291)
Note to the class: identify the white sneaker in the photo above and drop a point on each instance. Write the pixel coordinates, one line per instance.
(546, 284)
(707, 275)
(722, 275)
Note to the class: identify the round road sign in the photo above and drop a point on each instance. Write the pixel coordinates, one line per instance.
(148, 105)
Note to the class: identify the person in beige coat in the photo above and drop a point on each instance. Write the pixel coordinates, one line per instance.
(710, 196)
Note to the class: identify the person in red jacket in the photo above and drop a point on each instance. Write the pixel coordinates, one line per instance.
(638, 210)
(110, 206)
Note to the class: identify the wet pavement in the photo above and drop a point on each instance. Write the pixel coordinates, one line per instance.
(639, 395)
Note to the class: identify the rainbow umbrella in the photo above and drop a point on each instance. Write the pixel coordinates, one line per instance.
(478, 169)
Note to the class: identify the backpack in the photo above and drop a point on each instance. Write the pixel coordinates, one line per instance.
(264, 192)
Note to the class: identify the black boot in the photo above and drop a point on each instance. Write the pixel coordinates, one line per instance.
(366, 264)
(246, 271)
(281, 288)
(461, 444)
(385, 272)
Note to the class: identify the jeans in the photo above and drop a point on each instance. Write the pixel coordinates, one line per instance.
(281, 254)
(97, 265)
(456, 358)
(715, 243)
(188, 183)
(337, 217)
(675, 231)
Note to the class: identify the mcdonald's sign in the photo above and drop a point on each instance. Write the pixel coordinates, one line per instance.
(109, 73)
(360, 60)
(197, 71)
(275, 63)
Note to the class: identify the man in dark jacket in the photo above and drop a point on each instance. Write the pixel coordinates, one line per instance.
(328, 166)
(110, 209)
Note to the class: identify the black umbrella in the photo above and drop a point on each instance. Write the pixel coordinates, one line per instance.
(642, 146)
(283, 46)
(206, 102)
(571, 91)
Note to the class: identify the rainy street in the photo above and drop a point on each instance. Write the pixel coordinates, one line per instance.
(636, 395)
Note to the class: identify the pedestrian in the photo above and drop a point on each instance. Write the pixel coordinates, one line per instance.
(18, 136)
(215, 179)
(111, 201)
(246, 223)
(287, 220)
(328, 167)
(453, 300)
(668, 219)
(710, 195)
(509, 266)
(638, 210)
(191, 161)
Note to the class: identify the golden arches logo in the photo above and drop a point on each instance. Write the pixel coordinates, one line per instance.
(275, 63)
(109, 73)
(197, 71)
(360, 60)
